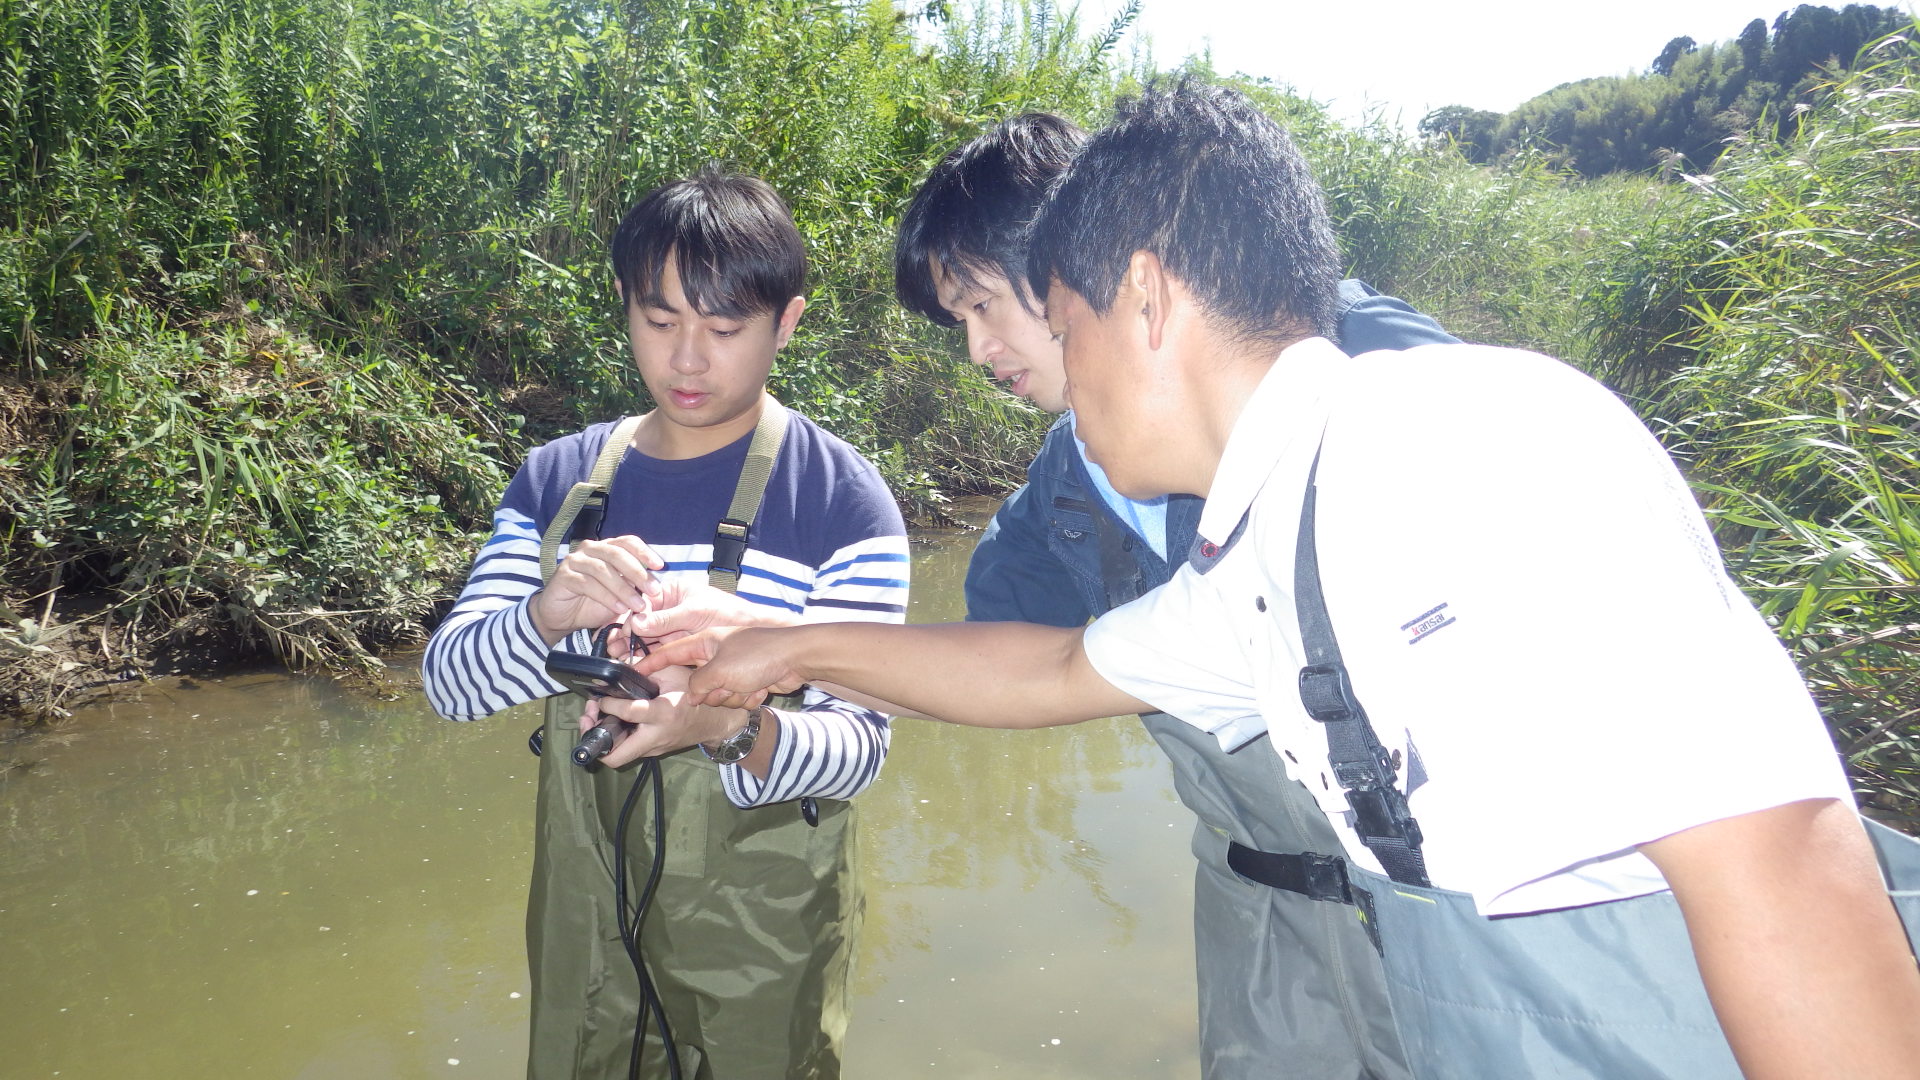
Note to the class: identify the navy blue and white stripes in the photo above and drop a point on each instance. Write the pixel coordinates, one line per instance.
(828, 545)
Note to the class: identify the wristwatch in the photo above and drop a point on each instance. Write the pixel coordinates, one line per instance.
(734, 748)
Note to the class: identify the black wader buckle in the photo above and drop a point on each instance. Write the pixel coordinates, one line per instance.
(1327, 693)
(1326, 878)
(729, 544)
(1376, 817)
(586, 525)
(1316, 877)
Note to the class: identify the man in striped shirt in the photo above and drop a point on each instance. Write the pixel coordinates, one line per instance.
(748, 938)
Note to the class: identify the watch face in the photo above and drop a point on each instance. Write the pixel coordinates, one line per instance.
(736, 747)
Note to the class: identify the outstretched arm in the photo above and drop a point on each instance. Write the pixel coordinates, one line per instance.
(1803, 955)
(1009, 675)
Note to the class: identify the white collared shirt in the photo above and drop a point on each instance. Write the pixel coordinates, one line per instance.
(1528, 600)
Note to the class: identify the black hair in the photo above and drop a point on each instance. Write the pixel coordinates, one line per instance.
(733, 242)
(974, 212)
(1200, 177)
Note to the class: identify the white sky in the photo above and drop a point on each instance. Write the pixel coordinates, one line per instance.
(1411, 57)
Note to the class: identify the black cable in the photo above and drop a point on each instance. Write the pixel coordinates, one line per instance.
(630, 930)
(654, 874)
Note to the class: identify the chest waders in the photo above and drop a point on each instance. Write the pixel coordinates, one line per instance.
(1288, 988)
(1607, 991)
(749, 936)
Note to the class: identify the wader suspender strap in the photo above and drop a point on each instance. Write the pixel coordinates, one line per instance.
(586, 501)
(1362, 766)
(585, 506)
(730, 536)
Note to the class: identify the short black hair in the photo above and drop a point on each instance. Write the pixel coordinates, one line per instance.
(733, 242)
(1200, 177)
(974, 212)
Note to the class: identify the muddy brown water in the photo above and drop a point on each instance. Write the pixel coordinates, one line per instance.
(264, 876)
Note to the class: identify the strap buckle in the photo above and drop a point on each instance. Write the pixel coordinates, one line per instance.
(586, 524)
(1327, 693)
(1316, 877)
(1381, 814)
(1326, 878)
(729, 545)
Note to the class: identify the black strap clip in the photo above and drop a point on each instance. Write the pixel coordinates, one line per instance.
(586, 525)
(1381, 814)
(1314, 876)
(1327, 693)
(729, 545)
(1326, 877)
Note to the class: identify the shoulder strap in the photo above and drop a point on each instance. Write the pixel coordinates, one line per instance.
(730, 536)
(585, 504)
(586, 501)
(1364, 769)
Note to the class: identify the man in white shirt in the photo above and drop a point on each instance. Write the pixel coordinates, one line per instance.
(1572, 703)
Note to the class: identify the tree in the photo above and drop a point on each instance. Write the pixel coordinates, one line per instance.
(1669, 56)
(1753, 48)
(1469, 129)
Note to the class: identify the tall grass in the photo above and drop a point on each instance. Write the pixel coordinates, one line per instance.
(285, 283)
(1769, 327)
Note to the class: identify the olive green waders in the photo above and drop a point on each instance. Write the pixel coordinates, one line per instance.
(748, 939)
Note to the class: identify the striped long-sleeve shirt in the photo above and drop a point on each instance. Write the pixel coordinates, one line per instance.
(827, 544)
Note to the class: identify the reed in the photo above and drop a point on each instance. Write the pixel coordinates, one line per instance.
(1767, 326)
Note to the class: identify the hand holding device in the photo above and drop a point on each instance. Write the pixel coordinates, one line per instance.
(597, 675)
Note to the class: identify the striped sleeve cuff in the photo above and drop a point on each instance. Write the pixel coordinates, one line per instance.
(486, 663)
(830, 750)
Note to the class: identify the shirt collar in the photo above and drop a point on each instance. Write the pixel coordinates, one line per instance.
(1288, 406)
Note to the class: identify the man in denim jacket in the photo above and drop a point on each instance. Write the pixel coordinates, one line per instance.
(1066, 547)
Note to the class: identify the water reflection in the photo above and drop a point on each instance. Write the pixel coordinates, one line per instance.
(263, 876)
(1030, 902)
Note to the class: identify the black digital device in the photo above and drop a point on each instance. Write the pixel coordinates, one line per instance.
(598, 675)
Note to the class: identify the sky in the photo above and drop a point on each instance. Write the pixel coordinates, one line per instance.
(1409, 57)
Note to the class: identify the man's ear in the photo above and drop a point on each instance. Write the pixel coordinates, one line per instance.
(1153, 291)
(789, 318)
(620, 290)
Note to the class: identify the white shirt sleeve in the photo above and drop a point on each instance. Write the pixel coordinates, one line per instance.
(1173, 649)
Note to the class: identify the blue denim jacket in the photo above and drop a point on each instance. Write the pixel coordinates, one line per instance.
(1054, 554)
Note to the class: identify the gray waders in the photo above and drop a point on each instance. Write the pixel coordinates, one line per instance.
(1289, 987)
(1608, 990)
(749, 938)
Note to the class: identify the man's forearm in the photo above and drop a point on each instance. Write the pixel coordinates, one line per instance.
(1007, 675)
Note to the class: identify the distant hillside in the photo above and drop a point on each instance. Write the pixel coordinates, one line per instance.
(1680, 112)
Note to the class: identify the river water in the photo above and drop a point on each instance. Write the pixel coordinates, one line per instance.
(265, 876)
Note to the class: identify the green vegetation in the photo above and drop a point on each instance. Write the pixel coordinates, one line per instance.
(287, 286)
(1681, 111)
(1769, 327)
